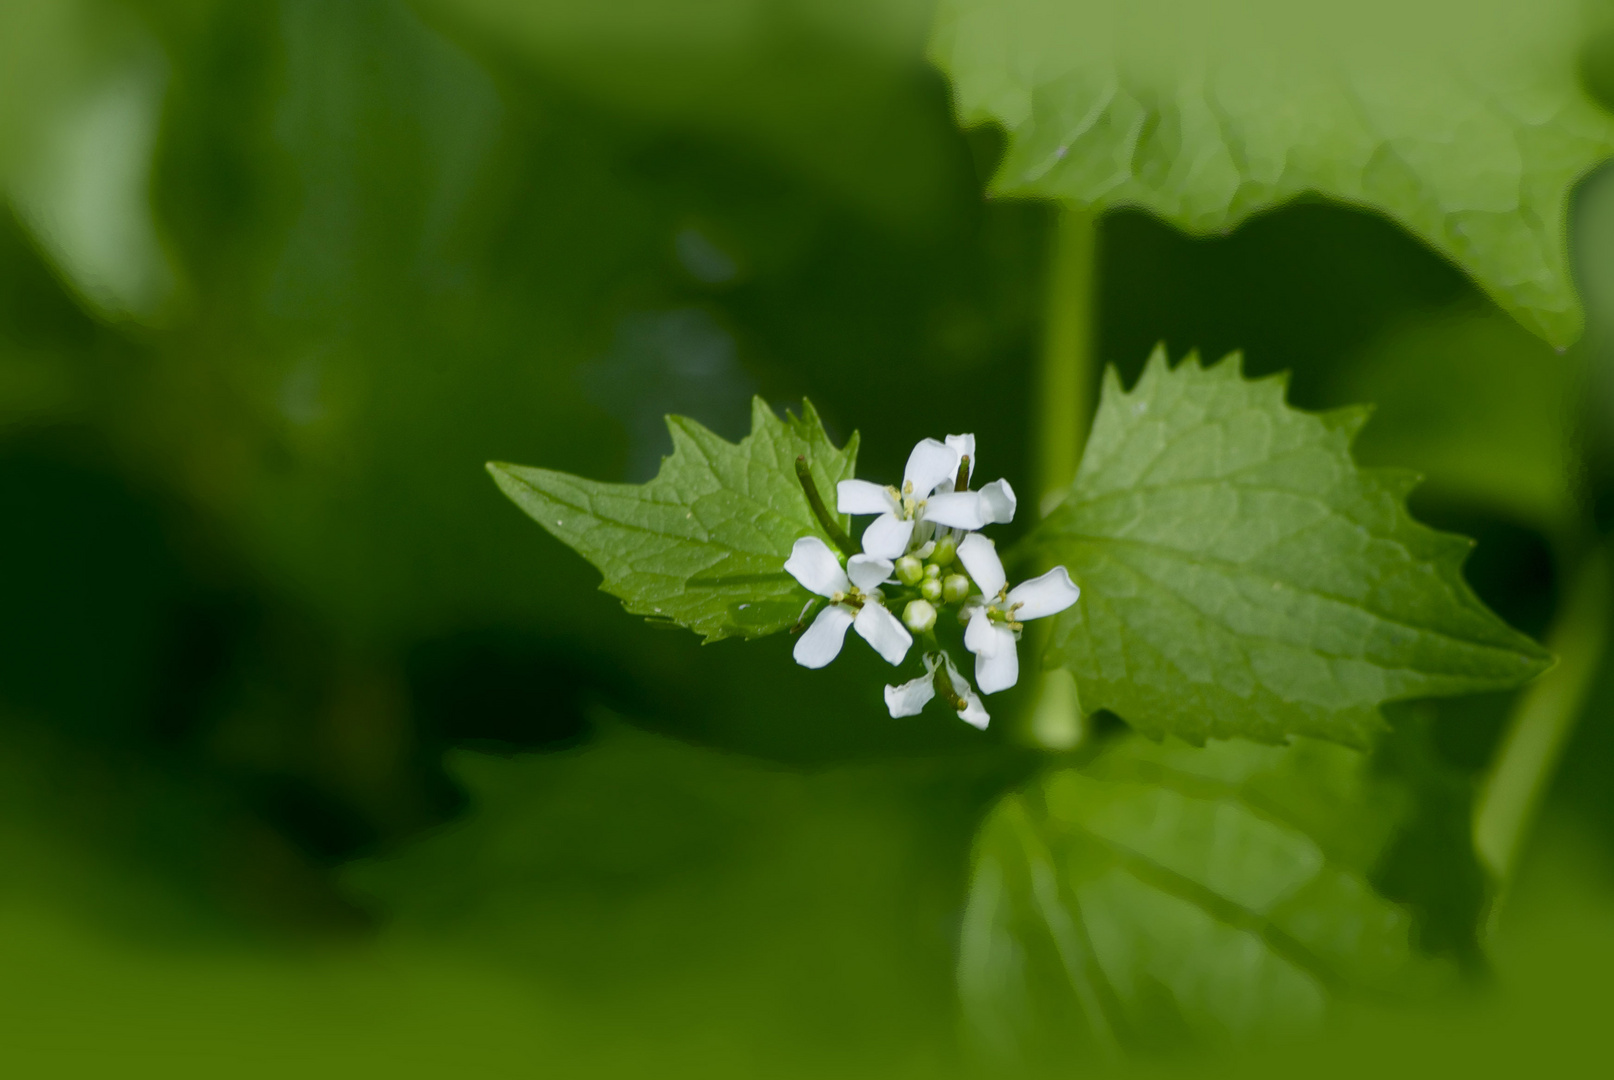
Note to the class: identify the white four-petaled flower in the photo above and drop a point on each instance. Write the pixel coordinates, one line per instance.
(996, 615)
(854, 600)
(908, 516)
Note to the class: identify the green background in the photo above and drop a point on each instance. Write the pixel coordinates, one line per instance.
(316, 754)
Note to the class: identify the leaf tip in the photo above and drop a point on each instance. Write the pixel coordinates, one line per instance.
(1349, 420)
(1230, 366)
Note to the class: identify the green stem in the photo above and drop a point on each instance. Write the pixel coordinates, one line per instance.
(832, 528)
(1542, 721)
(1063, 410)
(1065, 372)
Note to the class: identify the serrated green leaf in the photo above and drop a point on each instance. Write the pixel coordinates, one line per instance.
(1465, 123)
(704, 544)
(1165, 894)
(1241, 576)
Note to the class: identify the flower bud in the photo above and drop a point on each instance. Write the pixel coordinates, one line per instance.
(931, 589)
(946, 548)
(932, 570)
(955, 587)
(919, 616)
(910, 570)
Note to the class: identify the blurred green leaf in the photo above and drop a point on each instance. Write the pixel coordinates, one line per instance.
(82, 89)
(662, 895)
(45, 50)
(1164, 895)
(828, 88)
(703, 544)
(1465, 123)
(1483, 410)
(1242, 577)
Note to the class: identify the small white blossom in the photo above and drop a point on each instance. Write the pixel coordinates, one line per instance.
(996, 616)
(854, 601)
(994, 504)
(911, 697)
(908, 516)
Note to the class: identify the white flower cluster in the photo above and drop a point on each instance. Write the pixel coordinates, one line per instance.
(923, 553)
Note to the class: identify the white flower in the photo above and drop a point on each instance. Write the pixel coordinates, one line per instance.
(854, 600)
(925, 500)
(911, 697)
(994, 504)
(995, 617)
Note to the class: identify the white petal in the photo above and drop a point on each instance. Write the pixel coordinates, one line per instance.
(957, 510)
(1049, 594)
(930, 463)
(998, 503)
(863, 497)
(822, 641)
(980, 557)
(887, 536)
(999, 668)
(882, 629)
(980, 635)
(867, 571)
(964, 445)
(911, 697)
(813, 564)
(973, 713)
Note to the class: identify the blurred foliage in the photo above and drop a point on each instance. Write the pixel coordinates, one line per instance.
(277, 277)
(1466, 123)
(1167, 894)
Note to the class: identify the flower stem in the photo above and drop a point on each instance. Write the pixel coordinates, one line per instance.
(832, 528)
(1542, 721)
(1063, 412)
(944, 689)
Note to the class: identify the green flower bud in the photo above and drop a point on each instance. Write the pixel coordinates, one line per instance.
(931, 590)
(919, 616)
(910, 570)
(945, 550)
(955, 587)
(932, 570)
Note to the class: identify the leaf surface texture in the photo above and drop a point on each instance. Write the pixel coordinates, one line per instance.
(704, 544)
(1241, 576)
(1466, 123)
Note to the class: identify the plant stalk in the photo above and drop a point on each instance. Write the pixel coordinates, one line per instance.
(1065, 372)
(1063, 413)
(1542, 721)
(832, 528)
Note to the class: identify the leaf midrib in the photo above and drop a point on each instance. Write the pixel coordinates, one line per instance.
(1231, 567)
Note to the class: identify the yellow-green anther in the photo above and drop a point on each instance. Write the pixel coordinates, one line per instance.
(931, 590)
(955, 587)
(910, 570)
(919, 616)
